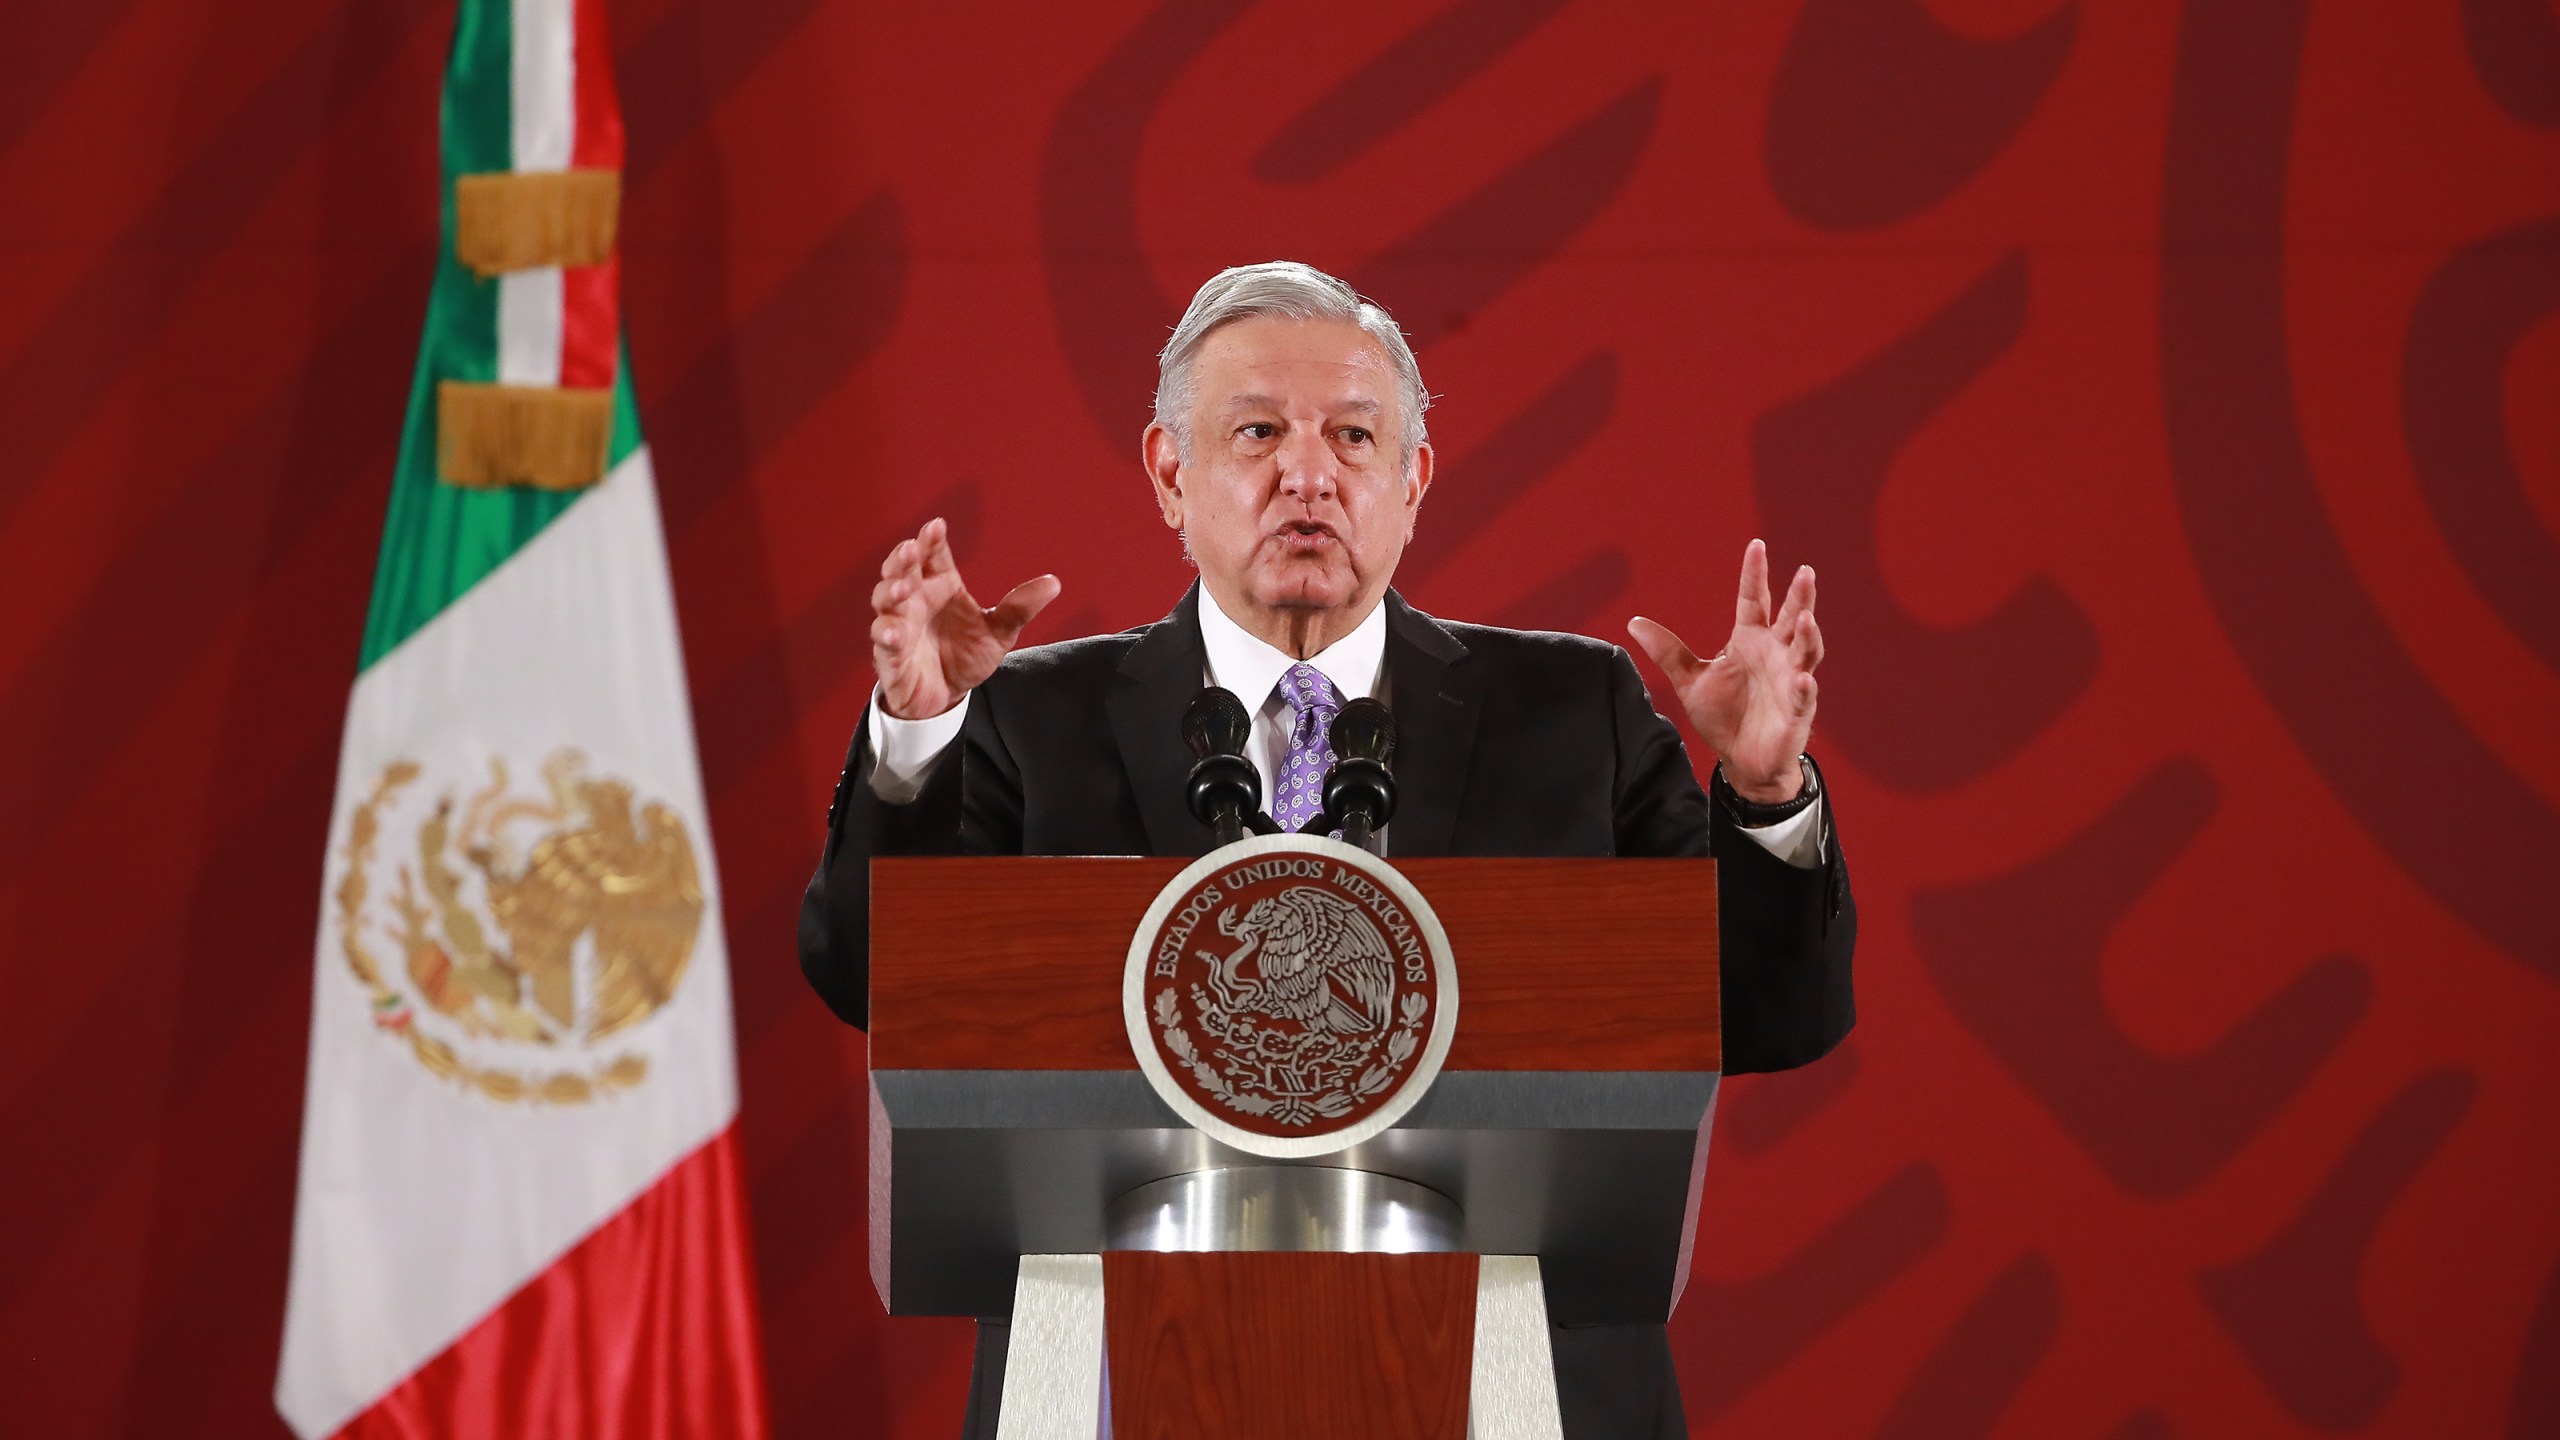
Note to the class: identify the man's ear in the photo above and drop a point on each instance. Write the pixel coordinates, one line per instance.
(1418, 476)
(1161, 455)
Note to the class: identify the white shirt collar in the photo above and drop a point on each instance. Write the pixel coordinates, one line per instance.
(1243, 662)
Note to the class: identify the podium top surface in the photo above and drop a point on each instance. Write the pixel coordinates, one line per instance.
(1012, 963)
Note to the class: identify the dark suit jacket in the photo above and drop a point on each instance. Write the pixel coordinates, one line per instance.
(1508, 743)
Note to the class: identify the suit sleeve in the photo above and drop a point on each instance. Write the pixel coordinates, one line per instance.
(1785, 935)
(971, 805)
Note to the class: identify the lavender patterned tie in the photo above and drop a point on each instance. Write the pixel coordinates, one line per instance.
(1298, 792)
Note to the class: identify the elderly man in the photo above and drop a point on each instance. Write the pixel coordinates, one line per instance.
(1289, 453)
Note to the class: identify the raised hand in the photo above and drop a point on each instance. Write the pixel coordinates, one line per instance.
(1752, 703)
(930, 641)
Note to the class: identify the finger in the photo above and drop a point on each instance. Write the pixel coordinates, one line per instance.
(1021, 603)
(1751, 604)
(1808, 642)
(1798, 602)
(1668, 651)
(888, 637)
(901, 560)
(1801, 695)
(889, 595)
(934, 544)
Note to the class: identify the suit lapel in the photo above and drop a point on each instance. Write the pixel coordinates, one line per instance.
(1437, 696)
(1156, 679)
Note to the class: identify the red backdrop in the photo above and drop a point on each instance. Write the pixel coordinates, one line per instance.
(2165, 393)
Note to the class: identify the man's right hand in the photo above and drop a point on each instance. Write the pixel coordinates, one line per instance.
(930, 642)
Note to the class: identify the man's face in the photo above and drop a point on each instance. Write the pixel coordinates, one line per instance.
(1295, 494)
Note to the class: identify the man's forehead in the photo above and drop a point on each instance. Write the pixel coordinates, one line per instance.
(1275, 345)
(1275, 364)
(1346, 398)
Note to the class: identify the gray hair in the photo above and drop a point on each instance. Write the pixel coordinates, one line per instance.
(1298, 292)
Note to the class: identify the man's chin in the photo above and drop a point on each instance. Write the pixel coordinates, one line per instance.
(1305, 592)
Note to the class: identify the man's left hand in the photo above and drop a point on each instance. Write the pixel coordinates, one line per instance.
(1753, 703)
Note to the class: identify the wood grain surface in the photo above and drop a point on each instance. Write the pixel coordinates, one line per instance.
(1260, 1345)
(1015, 964)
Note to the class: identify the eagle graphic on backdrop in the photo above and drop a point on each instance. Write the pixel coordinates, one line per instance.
(1317, 961)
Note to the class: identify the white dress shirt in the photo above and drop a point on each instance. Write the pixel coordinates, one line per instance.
(904, 752)
(1243, 662)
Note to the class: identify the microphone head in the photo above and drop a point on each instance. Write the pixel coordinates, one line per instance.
(1215, 723)
(1364, 730)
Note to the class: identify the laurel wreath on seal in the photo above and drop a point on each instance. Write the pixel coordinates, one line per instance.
(391, 1010)
(1294, 1109)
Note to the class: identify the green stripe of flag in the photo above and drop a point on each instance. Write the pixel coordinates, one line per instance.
(438, 540)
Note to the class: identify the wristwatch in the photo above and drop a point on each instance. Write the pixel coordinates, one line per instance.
(1751, 814)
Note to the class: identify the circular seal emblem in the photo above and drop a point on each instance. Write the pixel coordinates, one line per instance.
(1289, 995)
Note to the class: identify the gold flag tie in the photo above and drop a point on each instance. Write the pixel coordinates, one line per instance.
(549, 437)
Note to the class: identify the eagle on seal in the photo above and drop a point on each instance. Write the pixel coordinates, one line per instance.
(1316, 960)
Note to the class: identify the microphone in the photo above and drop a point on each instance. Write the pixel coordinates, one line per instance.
(1364, 730)
(1360, 793)
(1215, 723)
(1224, 792)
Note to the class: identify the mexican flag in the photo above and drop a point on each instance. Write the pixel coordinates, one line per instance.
(520, 1211)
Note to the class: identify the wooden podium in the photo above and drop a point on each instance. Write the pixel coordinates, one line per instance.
(1163, 1284)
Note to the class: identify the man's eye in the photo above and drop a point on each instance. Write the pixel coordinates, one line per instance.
(1257, 430)
(1355, 435)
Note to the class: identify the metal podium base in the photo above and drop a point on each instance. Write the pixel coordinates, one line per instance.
(1284, 1207)
(1057, 1381)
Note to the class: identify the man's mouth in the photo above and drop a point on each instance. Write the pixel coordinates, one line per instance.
(1304, 535)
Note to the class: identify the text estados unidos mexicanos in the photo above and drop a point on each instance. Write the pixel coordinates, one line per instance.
(1205, 902)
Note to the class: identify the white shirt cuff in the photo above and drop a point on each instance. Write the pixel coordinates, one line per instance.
(904, 752)
(1796, 839)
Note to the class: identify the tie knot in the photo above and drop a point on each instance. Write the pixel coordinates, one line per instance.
(1309, 692)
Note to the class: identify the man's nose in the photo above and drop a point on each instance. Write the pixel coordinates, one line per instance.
(1306, 467)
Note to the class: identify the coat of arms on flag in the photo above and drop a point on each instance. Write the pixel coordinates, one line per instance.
(527, 930)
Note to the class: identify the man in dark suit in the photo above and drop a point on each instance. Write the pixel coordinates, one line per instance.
(1289, 452)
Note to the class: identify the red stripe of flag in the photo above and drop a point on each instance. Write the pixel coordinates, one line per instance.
(645, 1330)
(591, 312)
